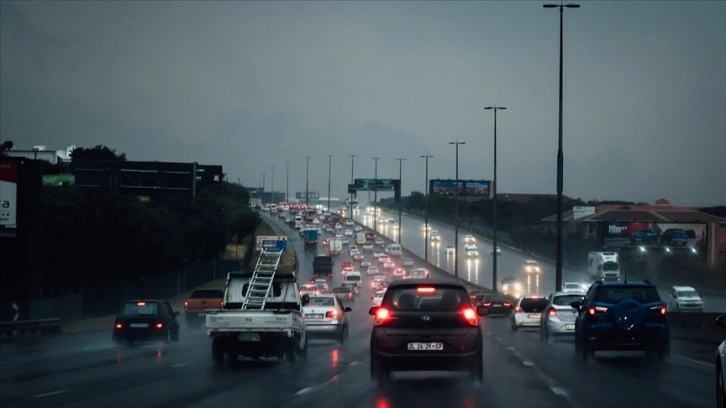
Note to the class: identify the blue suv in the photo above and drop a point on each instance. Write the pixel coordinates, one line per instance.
(621, 316)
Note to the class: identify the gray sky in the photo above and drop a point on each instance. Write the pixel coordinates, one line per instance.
(248, 85)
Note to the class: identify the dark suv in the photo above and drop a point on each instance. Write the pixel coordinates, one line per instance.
(425, 325)
(621, 316)
(674, 236)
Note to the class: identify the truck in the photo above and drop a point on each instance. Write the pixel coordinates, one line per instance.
(603, 265)
(261, 315)
(323, 266)
(196, 305)
(311, 236)
(336, 246)
(360, 238)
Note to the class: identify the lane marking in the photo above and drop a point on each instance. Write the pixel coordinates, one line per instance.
(559, 391)
(50, 394)
(304, 391)
(528, 363)
(353, 363)
(510, 348)
(179, 365)
(701, 363)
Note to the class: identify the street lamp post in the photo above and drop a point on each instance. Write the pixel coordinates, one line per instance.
(352, 157)
(272, 184)
(375, 196)
(287, 181)
(400, 199)
(330, 163)
(560, 157)
(262, 195)
(426, 211)
(307, 178)
(494, 199)
(456, 212)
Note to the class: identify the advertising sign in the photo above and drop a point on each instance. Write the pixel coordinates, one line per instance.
(480, 188)
(271, 242)
(311, 195)
(8, 194)
(375, 184)
(618, 234)
(446, 187)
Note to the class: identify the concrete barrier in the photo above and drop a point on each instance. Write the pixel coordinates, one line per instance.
(25, 328)
(699, 327)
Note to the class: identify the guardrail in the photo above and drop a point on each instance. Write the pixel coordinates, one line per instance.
(696, 327)
(24, 328)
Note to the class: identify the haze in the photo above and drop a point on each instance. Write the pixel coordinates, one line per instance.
(250, 85)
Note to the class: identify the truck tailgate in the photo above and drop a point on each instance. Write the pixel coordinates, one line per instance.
(251, 320)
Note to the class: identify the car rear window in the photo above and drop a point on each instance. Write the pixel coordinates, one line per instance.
(495, 298)
(533, 305)
(321, 301)
(341, 290)
(426, 298)
(642, 294)
(140, 309)
(207, 294)
(353, 278)
(565, 300)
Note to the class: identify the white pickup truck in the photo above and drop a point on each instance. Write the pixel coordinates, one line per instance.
(274, 328)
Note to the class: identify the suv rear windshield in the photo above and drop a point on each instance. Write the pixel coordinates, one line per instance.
(495, 298)
(426, 298)
(643, 294)
(530, 305)
(565, 300)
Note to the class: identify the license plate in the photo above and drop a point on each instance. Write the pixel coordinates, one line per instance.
(426, 346)
(533, 316)
(139, 325)
(569, 327)
(496, 305)
(248, 337)
(313, 316)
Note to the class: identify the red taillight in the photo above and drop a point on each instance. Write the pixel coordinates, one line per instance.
(593, 310)
(659, 309)
(507, 304)
(221, 303)
(119, 326)
(425, 289)
(159, 325)
(487, 304)
(552, 312)
(186, 304)
(518, 310)
(470, 315)
(382, 314)
(331, 314)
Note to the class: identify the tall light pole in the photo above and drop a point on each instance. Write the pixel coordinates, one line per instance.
(494, 199)
(558, 265)
(307, 178)
(352, 157)
(426, 211)
(262, 195)
(456, 213)
(400, 199)
(375, 196)
(287, 181)
(330, 164)
(272, 184)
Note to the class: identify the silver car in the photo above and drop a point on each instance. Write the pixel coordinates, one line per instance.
(528, 312)
(325, 317)
(559, 317)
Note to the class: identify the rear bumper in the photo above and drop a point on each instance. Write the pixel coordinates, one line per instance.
(324, 330)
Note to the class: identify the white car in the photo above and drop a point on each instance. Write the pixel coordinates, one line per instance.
(434, 236)
(368, 246)
(407, 262)
(471, 251)
(721, 366)
(365, 262)
(531, 266)
(469, 239)
(498, 251)
(685, 299)
(572, 287)
(559, 317)
(349, 222)
(384, 259)
(325, 316)
(372, 270)
(450, 250)
(357, 228)
(348, 232)
(377, 253)
(377, 298)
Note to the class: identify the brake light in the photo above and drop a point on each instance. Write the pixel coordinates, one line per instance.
(221, 303)
(141, 304)
(425, 289)
(518, 309)
(470, 316)
(552, 312)
(593, 310)
(487, 304)
(119, 325)
(332, 314)
(382, 315)
(659, 309)
(159, 325)
(507, 304)
(186, 304)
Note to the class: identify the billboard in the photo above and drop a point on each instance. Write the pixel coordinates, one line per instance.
(449, 187)
(311, 195)
(8, 194)
(375, 185)
(619, 234)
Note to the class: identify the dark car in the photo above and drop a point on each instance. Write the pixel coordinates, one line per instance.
(425, 324)
(497, 304)
(622, 316)
(674, 236)
(146, 320)
(644, 236)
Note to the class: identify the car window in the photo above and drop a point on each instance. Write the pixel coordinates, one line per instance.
(617, 294)
(688, 293)
(411, 298)
(140, 309)
(321, 301)
(533, 305)
(352, 277)
(341, 290)
(566, 300)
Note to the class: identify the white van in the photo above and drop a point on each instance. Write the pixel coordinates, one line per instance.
(394, 250)
(353, 277)
(419, 273)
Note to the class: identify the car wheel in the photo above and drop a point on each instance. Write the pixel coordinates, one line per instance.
(290, 351)
(664, 351)
(720, 389)
(175, 335)
(343, 335)
(514, 326)
(587, 350)
(167, 339)
(477, 368)
(218, 350)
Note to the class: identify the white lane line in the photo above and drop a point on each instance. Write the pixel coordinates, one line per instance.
(353, 363)
(50, 394)
(304, 391)
(701, 363)
(510, 348)
(528, 363)
(179, 365)
(559, 391)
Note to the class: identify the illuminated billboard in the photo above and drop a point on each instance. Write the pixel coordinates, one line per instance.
(449, 187)
(619, 234)
(375, 184)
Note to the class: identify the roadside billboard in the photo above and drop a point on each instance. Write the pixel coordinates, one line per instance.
(311, 195)
(472, 188)
(375, 184)
(8, 194)
(618, 234)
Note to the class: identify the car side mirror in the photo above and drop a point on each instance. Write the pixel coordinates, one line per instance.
(305, 299)
(482, 311)
(576, 305)
(348, 309)
(721, 321)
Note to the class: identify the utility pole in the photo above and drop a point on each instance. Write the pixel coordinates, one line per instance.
(330, 164)
(375, 196)
(400, 199)
(494, 202)
(307, 178)
(352, 157)
(456, 213)
(426, 212)
(287, 181)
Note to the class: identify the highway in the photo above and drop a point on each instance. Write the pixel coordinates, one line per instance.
(88, 370)
(509, 264)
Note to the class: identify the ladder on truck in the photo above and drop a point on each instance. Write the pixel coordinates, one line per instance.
(261, 281)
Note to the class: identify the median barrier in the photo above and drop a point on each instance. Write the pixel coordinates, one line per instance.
(25, 328)
(699, 327)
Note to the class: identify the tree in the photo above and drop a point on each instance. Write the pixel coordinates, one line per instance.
(96, 153)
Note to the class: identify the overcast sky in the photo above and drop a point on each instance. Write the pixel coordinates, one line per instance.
(250, 85)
